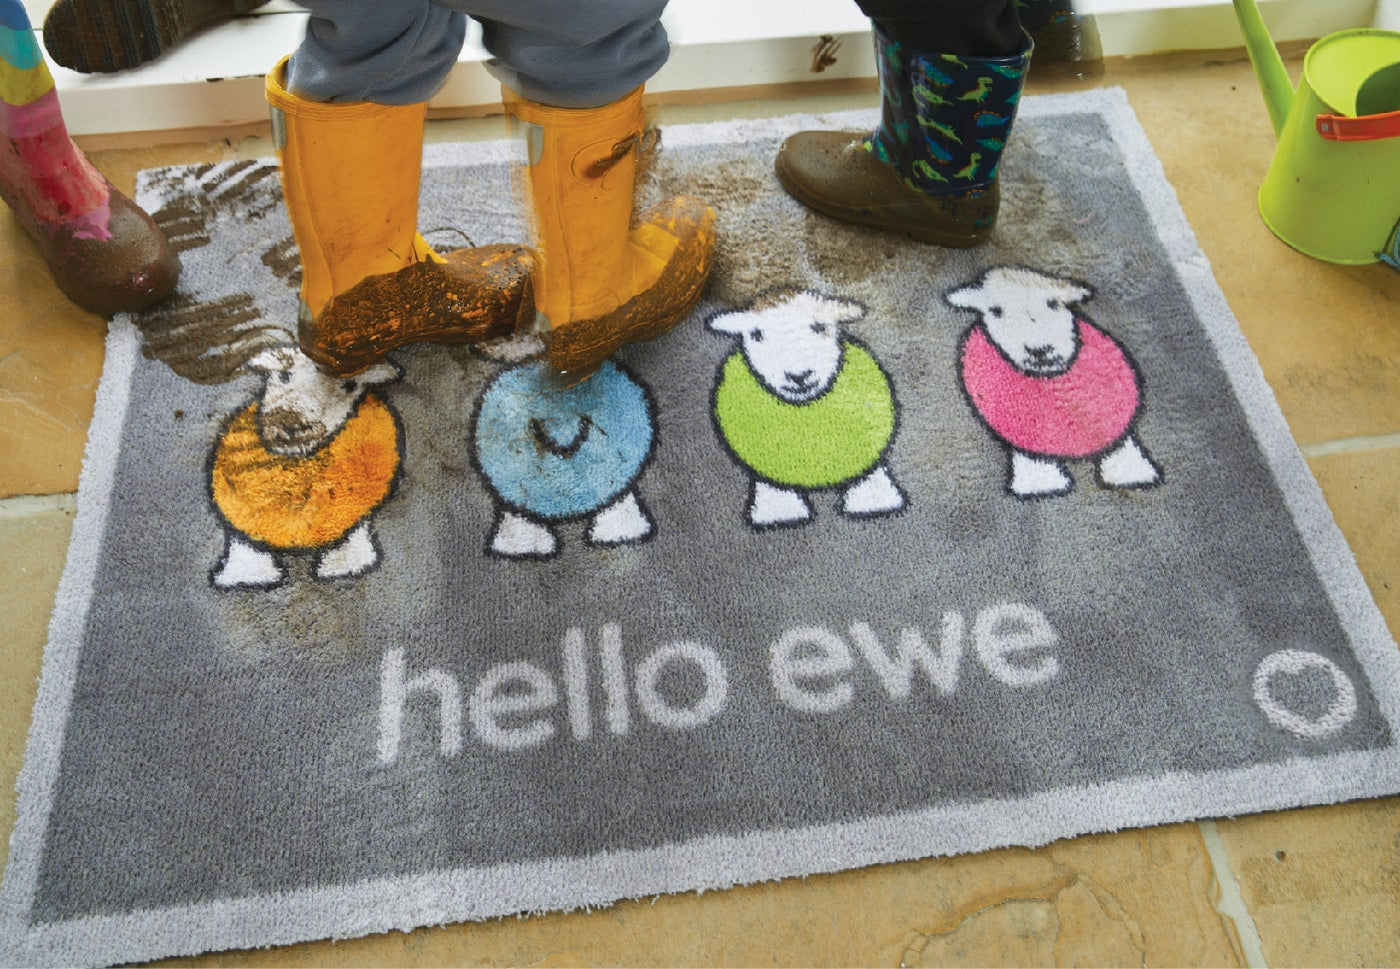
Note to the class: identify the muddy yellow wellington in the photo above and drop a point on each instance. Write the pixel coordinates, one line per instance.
(602, 281)
(370, 282)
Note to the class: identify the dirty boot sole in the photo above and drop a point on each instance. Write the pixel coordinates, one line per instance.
(475, 295)
(99, 36)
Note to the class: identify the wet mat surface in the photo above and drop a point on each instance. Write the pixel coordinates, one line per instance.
(889, 551)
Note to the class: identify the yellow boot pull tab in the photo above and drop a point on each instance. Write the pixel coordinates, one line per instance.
(593, 162)
(599, 167)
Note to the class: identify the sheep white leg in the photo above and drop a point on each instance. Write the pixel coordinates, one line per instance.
(246, 567)
(772, 505)
(355, 554)
(875, 494)
(1038, 477)
(518, 537)
(621, 522)
(1128, 466)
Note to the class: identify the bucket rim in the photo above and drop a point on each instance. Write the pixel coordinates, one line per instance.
(1325, 46)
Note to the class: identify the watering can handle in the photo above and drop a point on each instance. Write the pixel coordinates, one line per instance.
(1371, 127)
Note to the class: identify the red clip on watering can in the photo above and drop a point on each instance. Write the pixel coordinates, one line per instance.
(1333, 187)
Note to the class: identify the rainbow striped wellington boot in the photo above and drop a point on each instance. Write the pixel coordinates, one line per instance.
(105, 254)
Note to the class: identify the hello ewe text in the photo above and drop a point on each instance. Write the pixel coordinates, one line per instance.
(603, 687)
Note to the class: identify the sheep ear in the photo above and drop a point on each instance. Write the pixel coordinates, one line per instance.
(734, 323)
(381, 373)
(271, 360)
(969, 298)
(1072, 292)
(847, 311)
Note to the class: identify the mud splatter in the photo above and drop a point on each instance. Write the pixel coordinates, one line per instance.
(746, 258)
(284, 259)
(217, 175)
(183, 222)
(196, 204)
(207, 342)
(648, 149)
(207, 339)
(824, 53)
(253, 188)
(849, 254)
(1038, 216)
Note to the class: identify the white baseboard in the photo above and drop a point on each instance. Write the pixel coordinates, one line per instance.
(1135, 27)
(215, 78)
(1388, 15)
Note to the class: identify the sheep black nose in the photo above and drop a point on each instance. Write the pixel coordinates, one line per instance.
(801, 377)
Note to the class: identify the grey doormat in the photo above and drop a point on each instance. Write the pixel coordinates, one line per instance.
(888, 552)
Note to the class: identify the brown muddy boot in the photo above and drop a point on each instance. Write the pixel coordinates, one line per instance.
(930, 169)
(105, 254)
(370, 282)
(603, 282)
(99, 36)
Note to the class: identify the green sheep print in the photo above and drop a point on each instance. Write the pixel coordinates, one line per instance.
(829, 441)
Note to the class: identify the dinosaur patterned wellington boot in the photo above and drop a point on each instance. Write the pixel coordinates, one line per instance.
(97, 36)
(105, 254)
(370, 282)
(603, 281)
(930, 168)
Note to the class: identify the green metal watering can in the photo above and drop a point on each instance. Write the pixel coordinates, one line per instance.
(1333, 187)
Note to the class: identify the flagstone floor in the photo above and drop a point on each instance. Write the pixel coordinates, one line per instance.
(1310, 887)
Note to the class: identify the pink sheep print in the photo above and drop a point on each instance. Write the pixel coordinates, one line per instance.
(1078, 413)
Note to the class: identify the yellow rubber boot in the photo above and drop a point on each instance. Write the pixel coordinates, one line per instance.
(602, 282)
(370, 282)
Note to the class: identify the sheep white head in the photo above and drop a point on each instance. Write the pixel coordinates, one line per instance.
(791, 340)
(302, 407)
(1028, 315)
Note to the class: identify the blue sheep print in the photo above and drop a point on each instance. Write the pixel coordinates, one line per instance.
(556, 452)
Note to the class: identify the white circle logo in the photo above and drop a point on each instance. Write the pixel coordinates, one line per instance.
(1293, 661)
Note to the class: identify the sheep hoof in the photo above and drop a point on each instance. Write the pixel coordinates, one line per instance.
(354, 555)
(875, 494)
(1128, 466)
(620, 523)
(245, 567)
(518, 537)
(777, 506)
(1038, 477)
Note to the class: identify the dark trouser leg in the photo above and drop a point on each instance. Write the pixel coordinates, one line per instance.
(568, 53)
(991, 28)
(981, 28)
(391, 53)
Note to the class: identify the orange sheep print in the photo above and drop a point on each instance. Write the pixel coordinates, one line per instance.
(309, 502)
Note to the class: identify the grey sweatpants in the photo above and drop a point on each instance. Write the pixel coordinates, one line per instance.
(566, 53)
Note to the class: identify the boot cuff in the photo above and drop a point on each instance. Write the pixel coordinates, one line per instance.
(627, 106)
(293, 106)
